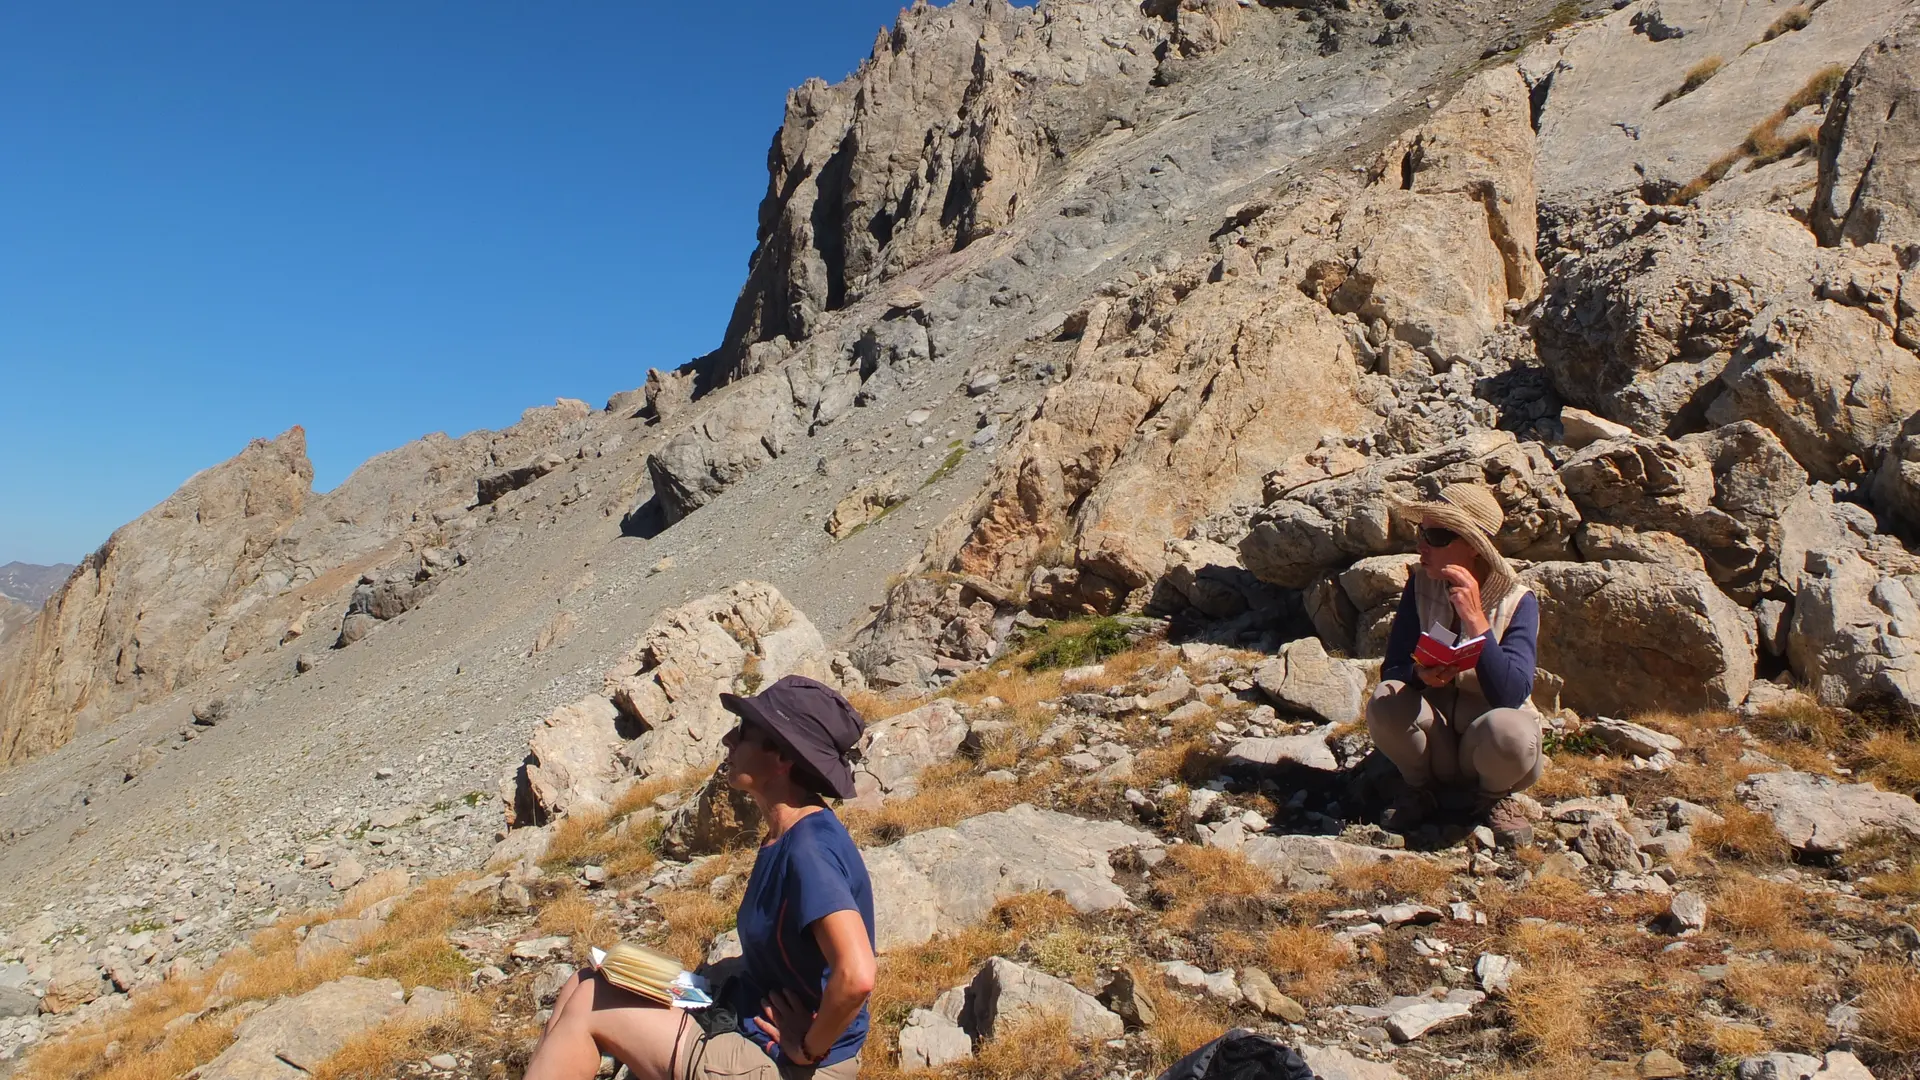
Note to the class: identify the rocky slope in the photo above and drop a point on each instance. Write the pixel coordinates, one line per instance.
(1101, 307)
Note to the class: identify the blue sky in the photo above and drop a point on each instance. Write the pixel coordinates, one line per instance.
(378, 220)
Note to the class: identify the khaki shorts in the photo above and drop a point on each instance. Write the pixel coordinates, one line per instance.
(732, 1056)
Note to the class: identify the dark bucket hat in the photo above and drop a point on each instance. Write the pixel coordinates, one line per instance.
(811, 721)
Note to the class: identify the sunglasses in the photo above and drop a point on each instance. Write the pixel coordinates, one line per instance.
(1435, 537)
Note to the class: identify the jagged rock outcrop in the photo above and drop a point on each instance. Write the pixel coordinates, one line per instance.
(241, 559)
(659, 712)
(930, 146)
(140, 615)
(1869, 189)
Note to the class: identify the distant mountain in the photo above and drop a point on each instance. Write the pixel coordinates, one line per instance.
(31, 584)
(13, 616)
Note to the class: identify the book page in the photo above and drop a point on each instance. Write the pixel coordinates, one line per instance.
(1441, 634)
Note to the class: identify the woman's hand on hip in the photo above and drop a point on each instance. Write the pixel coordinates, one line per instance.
(1463, 590)
(786, 1020)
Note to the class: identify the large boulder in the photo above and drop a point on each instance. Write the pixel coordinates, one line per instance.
(945, 879)
(290, 1038)
(1870, 150)
(1854, 638)
(570, 761)
(893, 752)
(1303, 679)
(1642, 317)
(669, 683)
(751, 427)
(1006, 992)
(1819, 814)
(1302, 862)
(1314, 530)
(1722, 492)
(1828, 379)
(1634, 637)
(928, 618)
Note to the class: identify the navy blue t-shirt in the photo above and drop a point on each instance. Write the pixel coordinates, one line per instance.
(812, 871)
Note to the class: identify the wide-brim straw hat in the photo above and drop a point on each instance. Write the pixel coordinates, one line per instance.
(1472, 511)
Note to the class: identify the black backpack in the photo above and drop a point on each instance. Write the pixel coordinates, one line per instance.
(1240, 1055)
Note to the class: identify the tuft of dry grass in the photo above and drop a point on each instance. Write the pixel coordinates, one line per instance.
(1696, 77)
(874, 707)
(1765, 144)
(1181, 1024)
(1031, 1048)
(1767, 914)
(1308, 960)
(378, 1052)
(1782, 993)
(1893, 759)
(1571, 775)
(695, 915)
(573, 915)
(1195, 876)
(1794, 18)
(1551, 1005)
(1746, 835)
(1890, 1006)
(948, 794)
(1421, 879)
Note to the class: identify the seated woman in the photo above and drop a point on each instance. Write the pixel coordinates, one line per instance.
(1445, 728)
(806, 924)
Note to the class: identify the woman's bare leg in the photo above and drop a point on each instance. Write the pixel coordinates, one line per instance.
(591, 1016)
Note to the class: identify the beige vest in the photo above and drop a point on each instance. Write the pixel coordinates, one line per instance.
(1432, 606)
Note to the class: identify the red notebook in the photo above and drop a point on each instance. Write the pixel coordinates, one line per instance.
(1439, 647)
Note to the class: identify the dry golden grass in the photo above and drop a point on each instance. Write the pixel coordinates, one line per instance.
(1570, 776)
(1765, 143)
(575, 916)
(1421, 879)
(1181, 1024)
(913, 977)
(1551, 1005)
(1800, 720)
(147, 1051)
(948, 794)
(1195, 876)
(1308, 961)
(1732, 1041)
(1900, 884)
(606, 838)
(1890, 1006)
(1032, 1048)
(1767, 914)
(1696, 77)
(874, 707)
(576, 839)
(1745, 835)
(694, 915)
(1794, 18)
(1893, 759)
(376, 1053)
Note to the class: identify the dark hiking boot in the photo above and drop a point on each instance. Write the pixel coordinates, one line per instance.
(1408, 812)
(1508, 820)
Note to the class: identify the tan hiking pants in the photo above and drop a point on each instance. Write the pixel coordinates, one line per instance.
(1447, 736)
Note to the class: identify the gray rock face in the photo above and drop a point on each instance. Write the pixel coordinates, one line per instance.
(943, 879)
(1820, 814)
(1869, 161)
(1855, 635)
(1631, 637)
(929, 1040)
(1309, 751)
(1335, 1063)
(893, 752)
(1301, 862)
(1311, 531)
(1006, 992)
(287, 1039)
(1303, 679)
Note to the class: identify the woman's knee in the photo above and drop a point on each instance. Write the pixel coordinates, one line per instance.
(1392, 708)
(1503, 744)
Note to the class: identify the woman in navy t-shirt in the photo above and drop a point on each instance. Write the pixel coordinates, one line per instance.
(806, 924)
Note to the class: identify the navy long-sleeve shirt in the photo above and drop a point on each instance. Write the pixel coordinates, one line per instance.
(1505, 667)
